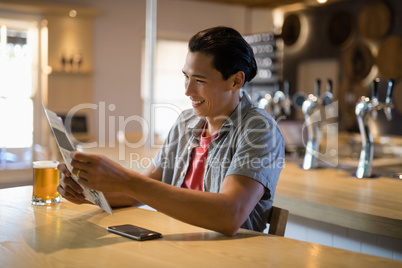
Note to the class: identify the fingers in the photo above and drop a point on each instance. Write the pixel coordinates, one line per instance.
(68, 188)
(82, 167)
(84, 162)
(76, 201)
(69, 196)
(80, 173)
(92, 169)
(84, 157)
(82, 176)
(63, 169)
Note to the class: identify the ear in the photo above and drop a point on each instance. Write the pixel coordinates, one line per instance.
(238, 80)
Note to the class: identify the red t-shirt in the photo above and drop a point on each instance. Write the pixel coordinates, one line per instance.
(195, 174)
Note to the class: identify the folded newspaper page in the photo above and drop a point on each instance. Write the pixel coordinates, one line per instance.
(67, 148)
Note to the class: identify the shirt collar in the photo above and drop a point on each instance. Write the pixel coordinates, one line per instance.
(241, 110)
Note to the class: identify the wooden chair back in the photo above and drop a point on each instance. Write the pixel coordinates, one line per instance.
(277, 219)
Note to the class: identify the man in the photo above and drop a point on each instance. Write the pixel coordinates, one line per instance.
(220, 163)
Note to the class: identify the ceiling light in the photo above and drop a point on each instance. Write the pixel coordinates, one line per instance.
(72, 13)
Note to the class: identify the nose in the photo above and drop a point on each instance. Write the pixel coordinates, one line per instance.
(190, 89)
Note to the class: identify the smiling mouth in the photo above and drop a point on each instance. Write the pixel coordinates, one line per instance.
(197, 102)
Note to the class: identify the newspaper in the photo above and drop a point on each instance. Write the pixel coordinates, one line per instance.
(67, 149)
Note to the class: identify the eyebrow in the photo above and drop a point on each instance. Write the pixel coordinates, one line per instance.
(195, 75)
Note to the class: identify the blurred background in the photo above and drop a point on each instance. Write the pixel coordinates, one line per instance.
(88, 59)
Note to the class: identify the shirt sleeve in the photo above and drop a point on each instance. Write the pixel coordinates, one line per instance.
(259, 154)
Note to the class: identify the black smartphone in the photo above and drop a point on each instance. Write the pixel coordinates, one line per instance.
(134, 232)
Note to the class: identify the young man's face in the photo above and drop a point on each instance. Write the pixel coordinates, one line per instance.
(211, 96)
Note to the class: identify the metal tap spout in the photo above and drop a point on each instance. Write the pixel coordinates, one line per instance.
(364, 109)
(282, 101)
(310, 108)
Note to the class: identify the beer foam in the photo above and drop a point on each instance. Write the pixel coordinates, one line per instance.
(45, 164)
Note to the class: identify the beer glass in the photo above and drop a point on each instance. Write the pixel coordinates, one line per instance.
(45, 181)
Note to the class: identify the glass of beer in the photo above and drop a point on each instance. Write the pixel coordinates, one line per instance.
(45, 181)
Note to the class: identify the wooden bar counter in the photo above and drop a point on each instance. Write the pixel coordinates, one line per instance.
(335, 196)
(328, 195)
(69, 235)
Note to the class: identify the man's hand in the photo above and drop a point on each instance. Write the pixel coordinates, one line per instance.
(99, 172)
(68, 188)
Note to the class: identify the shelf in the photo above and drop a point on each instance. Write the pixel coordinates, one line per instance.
(66, 73)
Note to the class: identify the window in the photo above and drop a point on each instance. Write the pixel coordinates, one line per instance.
(169, 98)
(18, 75)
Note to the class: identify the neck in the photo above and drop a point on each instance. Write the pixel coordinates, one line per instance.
(215, 123)
(213, 127)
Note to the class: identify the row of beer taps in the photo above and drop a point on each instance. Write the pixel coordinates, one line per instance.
(280, 103)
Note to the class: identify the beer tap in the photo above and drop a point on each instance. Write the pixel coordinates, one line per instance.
(388, 100)
(287, 103)
(374, 98)
(328, 96)
(310, 107)
(266, 102)
(364, 108)
(281, 100)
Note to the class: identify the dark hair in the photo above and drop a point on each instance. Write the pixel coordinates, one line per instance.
(230, 51)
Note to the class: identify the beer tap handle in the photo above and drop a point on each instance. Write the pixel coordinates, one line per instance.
(390, 90)
(374, 89)
(286, 88)
(287, 103)
(374, 97)
(328, 98)
(317, 88)
(277, 86)
(277, 100)
(388, 101)
(329, 86)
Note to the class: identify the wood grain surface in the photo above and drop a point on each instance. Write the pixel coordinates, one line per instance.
(70, 235)
(335, 196)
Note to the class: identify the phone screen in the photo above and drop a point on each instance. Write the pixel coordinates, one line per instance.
(134, 232)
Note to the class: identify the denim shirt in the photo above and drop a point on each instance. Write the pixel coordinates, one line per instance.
(249, 143)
